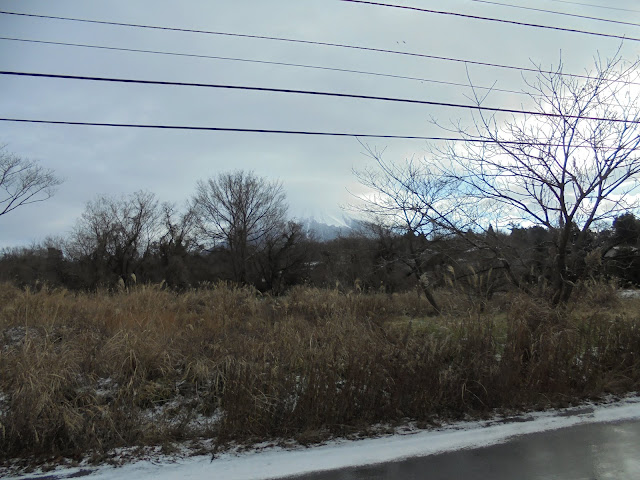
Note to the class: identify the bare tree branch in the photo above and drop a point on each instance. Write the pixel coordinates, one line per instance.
(23, 182)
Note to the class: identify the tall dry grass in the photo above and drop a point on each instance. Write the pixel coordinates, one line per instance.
(83, 373)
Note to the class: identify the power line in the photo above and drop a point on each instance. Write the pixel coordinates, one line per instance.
(284, 132)
(555, 12)
(243, 130)
(491, 19)
(596, 6)
(263, 62)
(303, 42)
(314, 93)
(319, 67)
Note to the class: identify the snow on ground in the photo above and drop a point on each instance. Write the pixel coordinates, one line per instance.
(278, 462)
(629, 293)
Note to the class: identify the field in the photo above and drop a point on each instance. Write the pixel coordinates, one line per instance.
(82, 374)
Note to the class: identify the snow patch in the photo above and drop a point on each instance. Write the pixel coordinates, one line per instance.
(276, 462)
(629, 293)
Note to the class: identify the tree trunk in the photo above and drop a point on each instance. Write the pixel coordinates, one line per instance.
(562, 289)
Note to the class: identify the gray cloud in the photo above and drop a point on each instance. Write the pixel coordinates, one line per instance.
(316, 171)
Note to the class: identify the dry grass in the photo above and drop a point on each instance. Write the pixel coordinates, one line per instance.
(85, 373)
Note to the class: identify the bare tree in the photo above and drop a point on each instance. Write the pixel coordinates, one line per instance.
(177, 240)
(179, 228)
(415, 200)
(419, 201)
(240, 212)
(570, 164)
(567, 166)
(114, 234)
(23, 182)
(283, 256)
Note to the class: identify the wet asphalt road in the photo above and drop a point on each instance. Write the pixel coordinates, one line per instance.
(585, 452)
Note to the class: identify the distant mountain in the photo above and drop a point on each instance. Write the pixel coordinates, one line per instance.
(325, 227)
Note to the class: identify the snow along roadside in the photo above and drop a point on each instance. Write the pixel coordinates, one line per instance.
(278, 462)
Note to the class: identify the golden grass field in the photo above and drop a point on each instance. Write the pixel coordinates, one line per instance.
(84, 373)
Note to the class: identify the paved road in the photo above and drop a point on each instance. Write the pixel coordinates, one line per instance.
(584, 452)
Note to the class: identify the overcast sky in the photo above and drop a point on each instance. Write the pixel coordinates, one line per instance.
(315, 171)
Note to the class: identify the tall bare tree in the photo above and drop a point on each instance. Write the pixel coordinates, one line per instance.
(240, 212)
(23, 182)
(571, 163)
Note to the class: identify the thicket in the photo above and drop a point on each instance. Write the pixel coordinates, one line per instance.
(371, 258)
(84, 373)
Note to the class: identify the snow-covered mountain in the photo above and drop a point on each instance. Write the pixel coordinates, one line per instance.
(324, 226)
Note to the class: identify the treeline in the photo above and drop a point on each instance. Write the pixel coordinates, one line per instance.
(236, 229)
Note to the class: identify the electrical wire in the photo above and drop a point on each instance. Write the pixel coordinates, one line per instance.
(240, 130)
(596, 6)
(303, 42)
(555, 12)
(285, 132)
(263, 62)
(315, 93)
(286, 64)
(491, 19)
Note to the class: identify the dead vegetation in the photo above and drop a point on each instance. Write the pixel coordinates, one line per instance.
(82, 374)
